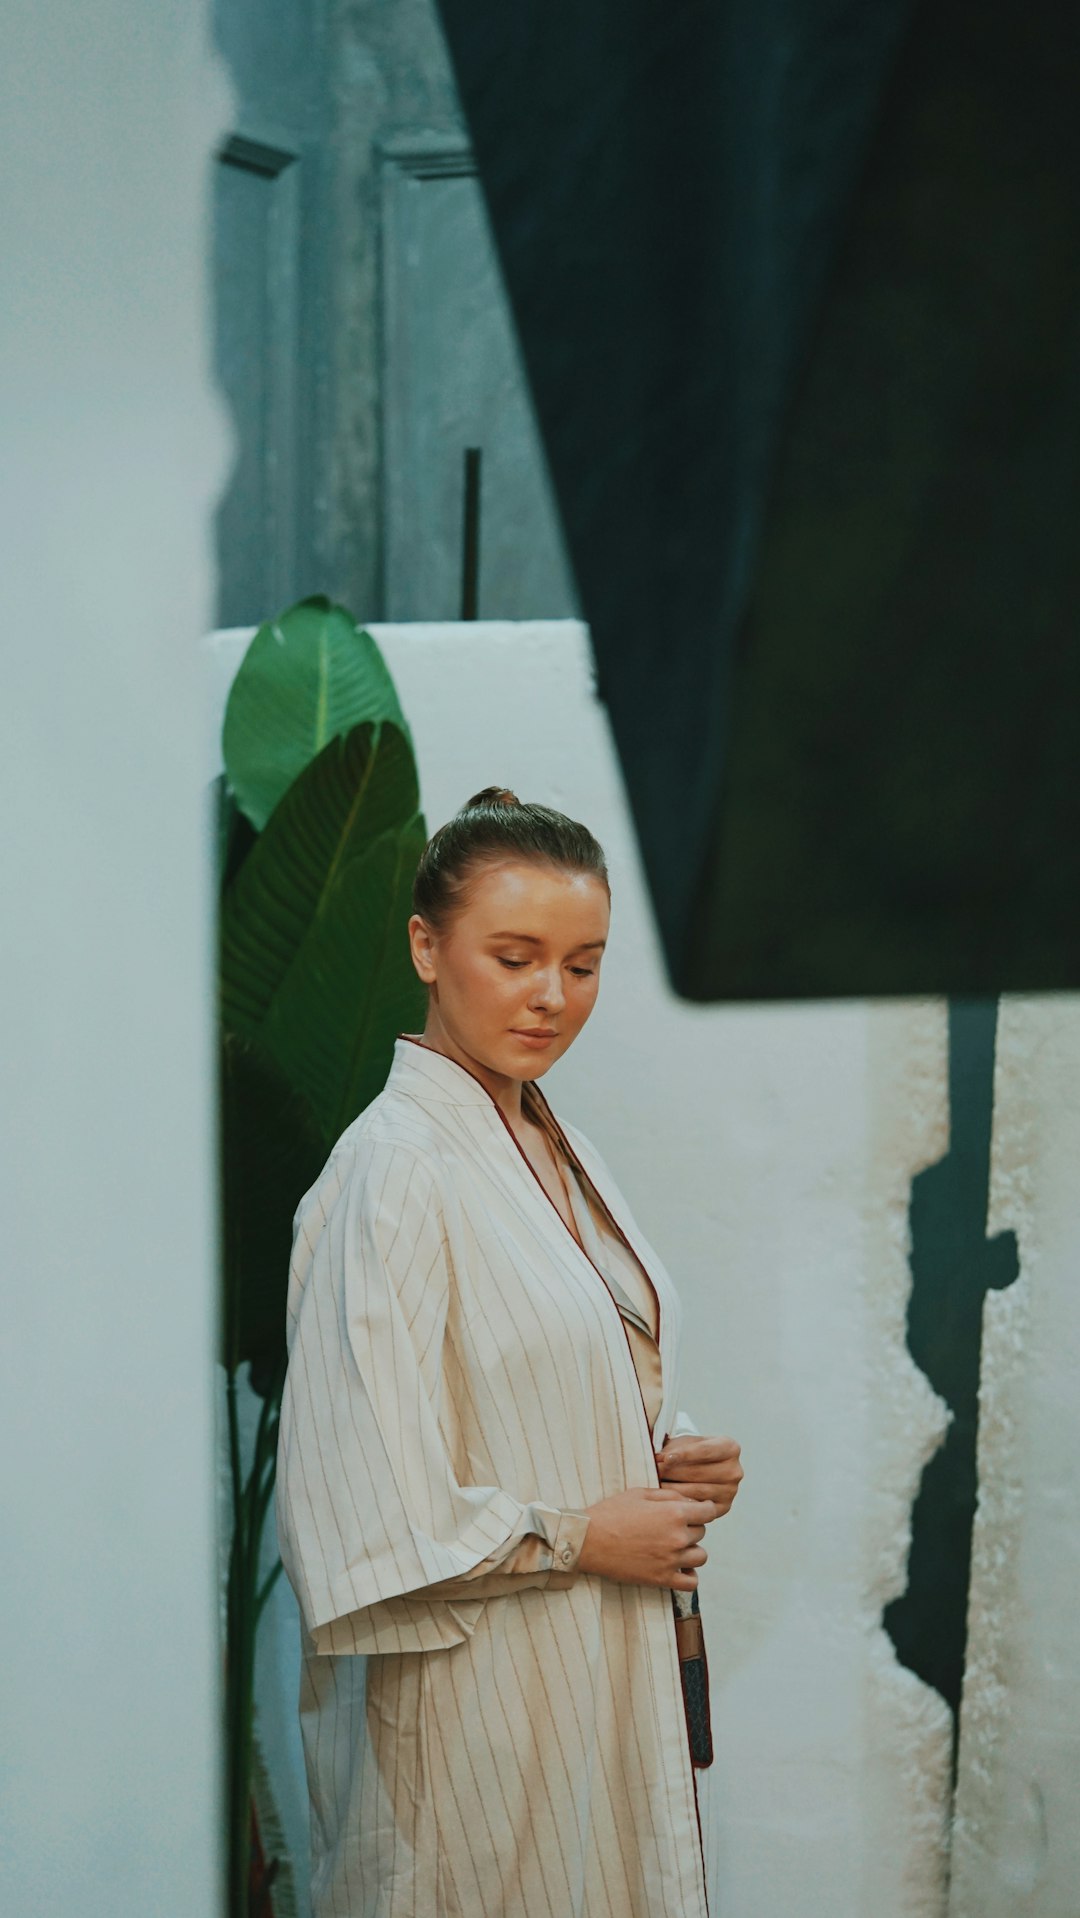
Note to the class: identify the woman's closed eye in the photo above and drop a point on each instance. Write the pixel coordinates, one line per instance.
(582, 972)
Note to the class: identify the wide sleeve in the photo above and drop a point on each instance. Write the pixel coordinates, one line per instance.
(369, 1508)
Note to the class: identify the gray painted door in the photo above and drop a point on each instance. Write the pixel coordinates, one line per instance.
(452, 378)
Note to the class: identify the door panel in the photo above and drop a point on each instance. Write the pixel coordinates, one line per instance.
(452, 378)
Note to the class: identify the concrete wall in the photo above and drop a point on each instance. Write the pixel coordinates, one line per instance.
(769, 1151)
(114, 449)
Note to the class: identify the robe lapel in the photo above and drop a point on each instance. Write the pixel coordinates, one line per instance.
(669, 1304)
(444, 1079)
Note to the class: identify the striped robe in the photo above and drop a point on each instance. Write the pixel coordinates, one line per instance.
(460, 1387)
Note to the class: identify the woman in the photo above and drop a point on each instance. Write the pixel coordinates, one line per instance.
(482, 1478)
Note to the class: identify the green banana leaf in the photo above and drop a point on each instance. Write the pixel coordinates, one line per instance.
(356, 789)
(272, 1150)
(315, 964)
(353, 988)
(306, 677)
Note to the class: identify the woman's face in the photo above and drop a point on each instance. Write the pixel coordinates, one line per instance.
(521, 957)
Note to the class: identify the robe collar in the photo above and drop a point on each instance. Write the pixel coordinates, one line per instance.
(444, 1079)
(437, 1077)
(434, 1076)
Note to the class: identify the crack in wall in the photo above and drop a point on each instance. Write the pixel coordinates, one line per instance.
(953, 1266)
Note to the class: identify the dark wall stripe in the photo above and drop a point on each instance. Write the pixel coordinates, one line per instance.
(953, 1266)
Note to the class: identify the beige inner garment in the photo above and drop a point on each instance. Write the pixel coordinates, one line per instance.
(625, 1278)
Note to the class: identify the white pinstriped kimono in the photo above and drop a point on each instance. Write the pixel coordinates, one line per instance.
(460, 1386)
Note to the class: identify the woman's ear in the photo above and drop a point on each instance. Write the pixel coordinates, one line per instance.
(422, 947)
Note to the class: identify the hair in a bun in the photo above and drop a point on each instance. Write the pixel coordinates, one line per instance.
(492, 796)
(496, 824)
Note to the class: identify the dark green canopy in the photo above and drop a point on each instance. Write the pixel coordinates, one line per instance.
(797, 284)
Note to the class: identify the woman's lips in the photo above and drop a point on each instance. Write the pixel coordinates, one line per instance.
(533, 1038)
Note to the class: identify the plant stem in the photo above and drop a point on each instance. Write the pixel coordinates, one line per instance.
(268, 1585)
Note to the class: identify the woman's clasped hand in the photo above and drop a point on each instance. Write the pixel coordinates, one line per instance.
(705, 1468)
(651, 1535)
(647, 1535)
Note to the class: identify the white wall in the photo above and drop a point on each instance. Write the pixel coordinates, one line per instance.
(1017, 1845)
(768, 1153)
(114, 449)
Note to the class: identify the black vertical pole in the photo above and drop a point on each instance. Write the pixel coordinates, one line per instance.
(470, 540)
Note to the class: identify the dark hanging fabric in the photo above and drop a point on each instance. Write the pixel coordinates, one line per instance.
(797, 287)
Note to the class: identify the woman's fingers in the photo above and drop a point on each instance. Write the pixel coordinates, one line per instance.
(689, 1456)
(705, 1472)
(709, 1466)
(698, 1510)
(698, 1505)
(719, 1495)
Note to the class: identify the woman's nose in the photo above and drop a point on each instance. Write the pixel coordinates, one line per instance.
(547, 992)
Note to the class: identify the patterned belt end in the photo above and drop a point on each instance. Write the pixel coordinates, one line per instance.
(694, 1670)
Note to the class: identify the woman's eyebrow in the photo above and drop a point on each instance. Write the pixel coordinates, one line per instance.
(532, 939)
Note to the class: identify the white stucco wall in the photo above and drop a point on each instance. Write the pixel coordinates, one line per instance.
(768, 1153)
(1017, 1840)
(113, 450)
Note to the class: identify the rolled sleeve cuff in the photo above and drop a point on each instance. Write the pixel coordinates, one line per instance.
(566, 1548)
(546, 1556)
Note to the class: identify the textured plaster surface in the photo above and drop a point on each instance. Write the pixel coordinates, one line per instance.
(1017, 1838)
(907, 1129)
(767, 1153)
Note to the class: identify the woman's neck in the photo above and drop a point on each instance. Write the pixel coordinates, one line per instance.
(505, 1091)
